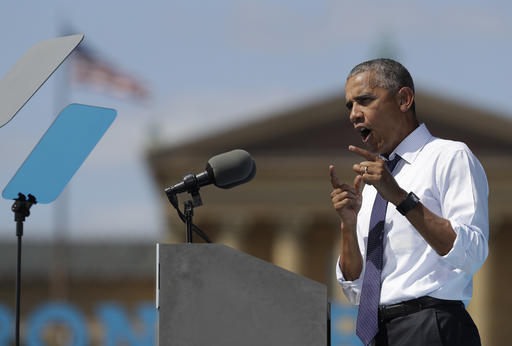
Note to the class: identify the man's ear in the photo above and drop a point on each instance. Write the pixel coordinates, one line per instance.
(405, 98)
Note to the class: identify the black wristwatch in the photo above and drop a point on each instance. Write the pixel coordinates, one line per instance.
(408, 204)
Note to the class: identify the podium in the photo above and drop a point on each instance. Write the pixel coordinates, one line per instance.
(213, 295)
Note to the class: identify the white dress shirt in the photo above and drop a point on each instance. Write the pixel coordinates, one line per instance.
(451, 183)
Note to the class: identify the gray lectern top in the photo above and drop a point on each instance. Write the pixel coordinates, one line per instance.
(60, 152)
(210, 294)
(31, 71)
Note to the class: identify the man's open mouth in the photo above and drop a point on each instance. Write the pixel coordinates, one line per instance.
(365, 132)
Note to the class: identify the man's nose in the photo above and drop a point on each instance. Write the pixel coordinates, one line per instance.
(356, 114)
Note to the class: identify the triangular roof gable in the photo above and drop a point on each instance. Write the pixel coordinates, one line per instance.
(324, 127)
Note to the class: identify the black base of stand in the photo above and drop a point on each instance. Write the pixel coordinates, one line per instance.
(21, 209)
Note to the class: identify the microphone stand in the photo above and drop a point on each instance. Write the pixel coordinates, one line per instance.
(188, 213)
(189, 205)
(21, 209)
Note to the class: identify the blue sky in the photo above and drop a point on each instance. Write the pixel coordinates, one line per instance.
(211, 64)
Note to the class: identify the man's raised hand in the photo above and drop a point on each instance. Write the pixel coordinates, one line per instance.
(346, 199)
(374, 171)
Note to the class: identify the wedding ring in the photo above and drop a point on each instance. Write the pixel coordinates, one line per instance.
(366, 169)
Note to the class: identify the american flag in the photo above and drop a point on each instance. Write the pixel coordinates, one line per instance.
(90, 69)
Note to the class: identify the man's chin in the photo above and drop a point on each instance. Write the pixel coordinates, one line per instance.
(371, 148)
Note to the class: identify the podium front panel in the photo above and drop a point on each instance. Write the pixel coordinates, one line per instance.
(210, 294)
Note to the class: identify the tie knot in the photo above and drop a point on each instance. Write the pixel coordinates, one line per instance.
(392, 163)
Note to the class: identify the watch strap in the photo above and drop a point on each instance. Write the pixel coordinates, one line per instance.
(409, 203)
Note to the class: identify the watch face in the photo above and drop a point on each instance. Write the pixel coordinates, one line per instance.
(408, 204)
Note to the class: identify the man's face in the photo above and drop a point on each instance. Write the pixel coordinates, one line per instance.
(375, 113)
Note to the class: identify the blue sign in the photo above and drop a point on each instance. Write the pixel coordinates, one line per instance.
(343, 325)
(119, 329)
(116, 323)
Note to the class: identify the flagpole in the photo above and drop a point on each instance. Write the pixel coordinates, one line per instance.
(61, 213)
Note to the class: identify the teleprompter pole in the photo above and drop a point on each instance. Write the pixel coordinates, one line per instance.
(21, 209)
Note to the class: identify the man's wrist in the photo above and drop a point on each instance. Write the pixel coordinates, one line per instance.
(348, 226)
(400, 197)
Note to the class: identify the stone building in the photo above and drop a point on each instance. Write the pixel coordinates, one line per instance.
(285, 216)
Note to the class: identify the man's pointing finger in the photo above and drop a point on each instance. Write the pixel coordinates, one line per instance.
(362, 152)
(334, 179)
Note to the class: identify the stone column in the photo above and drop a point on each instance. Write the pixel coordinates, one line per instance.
(232, 231)
(480, 304)
(287, 246)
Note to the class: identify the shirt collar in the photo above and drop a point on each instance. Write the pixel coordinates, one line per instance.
(411, 146)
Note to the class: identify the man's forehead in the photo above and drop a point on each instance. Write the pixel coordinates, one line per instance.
(367, 78)
(363, 82)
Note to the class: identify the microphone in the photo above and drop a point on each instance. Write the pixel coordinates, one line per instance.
(225, 170)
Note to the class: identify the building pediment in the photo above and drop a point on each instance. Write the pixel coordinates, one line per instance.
(323, 127)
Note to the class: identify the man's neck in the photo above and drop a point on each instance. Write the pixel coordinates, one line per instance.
(413, 126)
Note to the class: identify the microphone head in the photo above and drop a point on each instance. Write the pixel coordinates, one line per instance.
(232, 168)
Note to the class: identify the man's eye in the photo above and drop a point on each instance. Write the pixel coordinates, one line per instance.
(365, 101)
(349, 105)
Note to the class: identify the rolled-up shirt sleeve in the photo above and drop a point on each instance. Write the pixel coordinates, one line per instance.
(463, 192)
(351, 289)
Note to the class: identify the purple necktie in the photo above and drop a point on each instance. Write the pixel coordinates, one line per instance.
(367, 317)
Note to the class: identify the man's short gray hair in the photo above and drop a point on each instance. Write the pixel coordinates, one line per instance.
(389, 74)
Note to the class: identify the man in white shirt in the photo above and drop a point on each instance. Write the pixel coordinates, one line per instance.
(413, 237)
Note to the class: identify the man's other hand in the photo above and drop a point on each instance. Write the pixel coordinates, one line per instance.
(346, 199)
